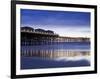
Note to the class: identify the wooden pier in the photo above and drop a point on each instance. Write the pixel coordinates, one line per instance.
(36, 37)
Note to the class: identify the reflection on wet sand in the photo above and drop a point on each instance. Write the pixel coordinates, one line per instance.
(54, 53)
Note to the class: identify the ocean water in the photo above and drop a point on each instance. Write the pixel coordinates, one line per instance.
(69, 54)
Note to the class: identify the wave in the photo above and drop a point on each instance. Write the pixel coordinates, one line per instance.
(76, 58)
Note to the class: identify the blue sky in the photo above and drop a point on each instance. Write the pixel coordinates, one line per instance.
(64, 23)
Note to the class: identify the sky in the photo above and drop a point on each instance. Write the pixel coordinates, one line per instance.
(64, 23)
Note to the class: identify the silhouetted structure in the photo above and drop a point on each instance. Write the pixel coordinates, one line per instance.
(26, 28)
(30, 36)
